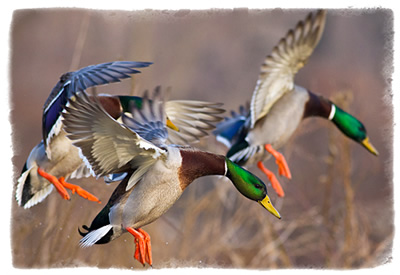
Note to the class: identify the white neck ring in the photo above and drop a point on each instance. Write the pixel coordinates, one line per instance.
(332, 113)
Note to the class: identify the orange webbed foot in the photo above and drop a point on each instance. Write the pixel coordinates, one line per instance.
(143, 246)
(149, 258)
(57, 184)
(137, 252)
(280, 161)
(272, 178)
(79, 190)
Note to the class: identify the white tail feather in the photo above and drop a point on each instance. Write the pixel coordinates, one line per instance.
(20, 186)
(37, 197)
(92, 237)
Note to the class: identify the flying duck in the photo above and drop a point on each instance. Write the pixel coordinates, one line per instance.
(157, 173)
(278, 105)
(55, 159)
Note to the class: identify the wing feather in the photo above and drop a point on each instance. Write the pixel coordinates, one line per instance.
(193, 118)
(280, 67)
(73, 82)
(106, 144)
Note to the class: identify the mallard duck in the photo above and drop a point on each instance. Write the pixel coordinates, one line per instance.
(278, 105)
(157, 173)
(55, 159)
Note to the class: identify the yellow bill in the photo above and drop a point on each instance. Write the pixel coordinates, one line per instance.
(369, 146)
(266, 202)
(171, 125)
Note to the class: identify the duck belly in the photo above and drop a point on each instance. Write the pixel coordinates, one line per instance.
(278, 126)
(65, 157)
(152, 197)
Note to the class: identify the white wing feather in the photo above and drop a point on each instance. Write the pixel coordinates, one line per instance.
(108, 146)
(280, 67)
(193, 118)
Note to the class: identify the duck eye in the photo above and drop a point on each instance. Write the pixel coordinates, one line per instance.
(258, 186)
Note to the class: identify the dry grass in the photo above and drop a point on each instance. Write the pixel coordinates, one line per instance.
(212, 225)
(332, 212)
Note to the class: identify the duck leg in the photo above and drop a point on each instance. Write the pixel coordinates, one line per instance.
(143, 245)
(59, 187)
(79, 190)
(280, 161)
(272, 178)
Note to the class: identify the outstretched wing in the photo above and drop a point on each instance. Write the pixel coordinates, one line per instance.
(193, 118)
(107, 145)
(148, 120)
(280, 67)
(73, 82)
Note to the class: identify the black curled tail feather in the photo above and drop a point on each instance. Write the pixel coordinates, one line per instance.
(83, 234)
(99, 221)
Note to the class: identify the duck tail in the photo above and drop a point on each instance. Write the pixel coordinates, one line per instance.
(96, 236)
(26, 194)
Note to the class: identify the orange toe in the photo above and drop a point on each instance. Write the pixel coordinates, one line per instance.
(79, 190)
(149, 258)
(280, 161)
(143, 246)
(272, 178)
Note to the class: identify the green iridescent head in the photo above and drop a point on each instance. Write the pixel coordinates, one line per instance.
(250, 186)
(353, 128)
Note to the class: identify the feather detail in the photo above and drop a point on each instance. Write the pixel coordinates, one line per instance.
(106, 144)
(39, 196)
(148, 121)
(78, 81)
(138, 174)
(287, 58)
(94, 236)
(84, 170)
(21, 188)
(114, 177)
(193, 118)
(54, 131)
(228, 130)
(224, 141)
(245, 154)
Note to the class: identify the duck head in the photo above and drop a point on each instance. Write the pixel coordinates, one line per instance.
(352, 127)
(249, 186)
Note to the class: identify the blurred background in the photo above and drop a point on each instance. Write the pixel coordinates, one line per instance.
(338, 208)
